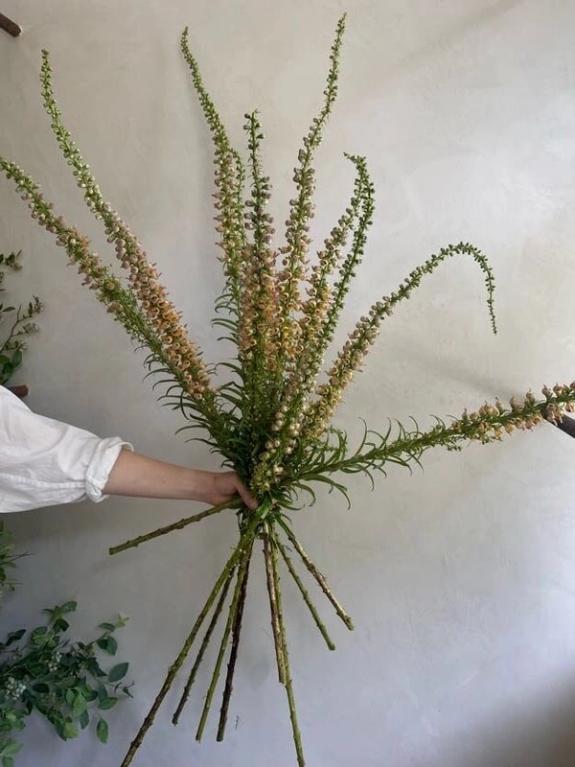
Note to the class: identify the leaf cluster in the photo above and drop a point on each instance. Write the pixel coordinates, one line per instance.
(16, 322)
(43, 671)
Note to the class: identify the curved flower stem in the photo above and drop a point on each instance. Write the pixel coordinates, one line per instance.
(317, 575)
(202, 650)
(241, 577)
(236, 633)
(273, 607)
(288, 681)
(133, 542)
(245, 541)
(350, 357)
(306, 597)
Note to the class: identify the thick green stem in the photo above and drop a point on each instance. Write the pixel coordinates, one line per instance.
(202, 650)
(242, 575)
(246, 540)
(133, 542)
(288, 681)
(317, 575)
(306, 597)
(236, 633)
(273, 607)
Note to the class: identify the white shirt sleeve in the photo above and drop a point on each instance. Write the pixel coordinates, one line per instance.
(44, 462)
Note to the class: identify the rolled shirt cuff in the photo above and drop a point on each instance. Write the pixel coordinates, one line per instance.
(101, 464)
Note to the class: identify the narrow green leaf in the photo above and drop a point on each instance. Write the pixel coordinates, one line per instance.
(118, 672)
(108, 644)
(102, 731)
(107, 703)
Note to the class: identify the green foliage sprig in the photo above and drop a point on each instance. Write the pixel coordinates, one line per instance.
(272, 420)
(8, 561)
(19, 322)
(43, 671)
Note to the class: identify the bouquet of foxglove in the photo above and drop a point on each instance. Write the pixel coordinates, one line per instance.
(272, 420)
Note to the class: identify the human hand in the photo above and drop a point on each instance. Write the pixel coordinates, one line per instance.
(215, 487)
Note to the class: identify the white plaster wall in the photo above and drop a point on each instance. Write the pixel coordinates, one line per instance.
(461, 579)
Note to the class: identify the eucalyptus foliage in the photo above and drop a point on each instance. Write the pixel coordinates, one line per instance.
(272, 419)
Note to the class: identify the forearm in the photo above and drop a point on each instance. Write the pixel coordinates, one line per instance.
(138, 475)
(44, 462)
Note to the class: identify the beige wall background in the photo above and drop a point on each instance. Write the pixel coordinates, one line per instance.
(461, 578)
